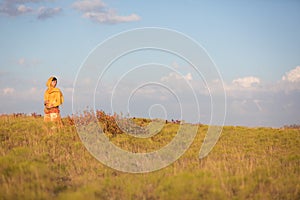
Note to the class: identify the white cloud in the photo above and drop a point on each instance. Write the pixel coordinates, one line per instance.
(89, 5)
(188, 77)
(23, 9)
(175, 65)
(98, 11)
(252, 101)
(8, 91)
(292, 76)
(110, 17)
(241, 86)
(173, 76)
(247, 82)
(290, 82)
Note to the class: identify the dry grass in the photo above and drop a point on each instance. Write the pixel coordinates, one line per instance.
(256, 163)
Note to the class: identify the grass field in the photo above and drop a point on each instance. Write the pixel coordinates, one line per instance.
(246, 163)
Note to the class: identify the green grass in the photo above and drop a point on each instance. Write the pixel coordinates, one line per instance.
(246, 163)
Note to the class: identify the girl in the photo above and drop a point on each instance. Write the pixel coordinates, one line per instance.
(53, 98)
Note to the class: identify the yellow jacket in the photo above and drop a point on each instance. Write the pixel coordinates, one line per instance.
(53, 97)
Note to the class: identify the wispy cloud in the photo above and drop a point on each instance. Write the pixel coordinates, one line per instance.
(89, 5)
(110, 17)
(8, 91)
(14, 8)
(98, 11)
(28, 62)
(44, 13)
(173, 76)
(20, 7)
(175, 65)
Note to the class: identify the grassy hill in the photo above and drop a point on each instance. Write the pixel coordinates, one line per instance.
(246, 163)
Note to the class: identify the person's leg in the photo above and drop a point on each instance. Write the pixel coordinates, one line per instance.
(47, 118)
(55, 117)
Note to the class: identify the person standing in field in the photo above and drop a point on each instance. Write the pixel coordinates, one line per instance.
(53, 98)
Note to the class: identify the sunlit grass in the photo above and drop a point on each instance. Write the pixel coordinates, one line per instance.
(37, 162)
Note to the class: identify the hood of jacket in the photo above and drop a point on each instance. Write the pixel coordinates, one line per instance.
(50, 87)
(48, 83)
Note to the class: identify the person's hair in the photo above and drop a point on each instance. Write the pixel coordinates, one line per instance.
(54, 79)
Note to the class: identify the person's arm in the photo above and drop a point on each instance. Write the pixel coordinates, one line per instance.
(46, 99)
(59, 99)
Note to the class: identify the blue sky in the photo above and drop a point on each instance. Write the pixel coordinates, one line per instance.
(255, 45)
